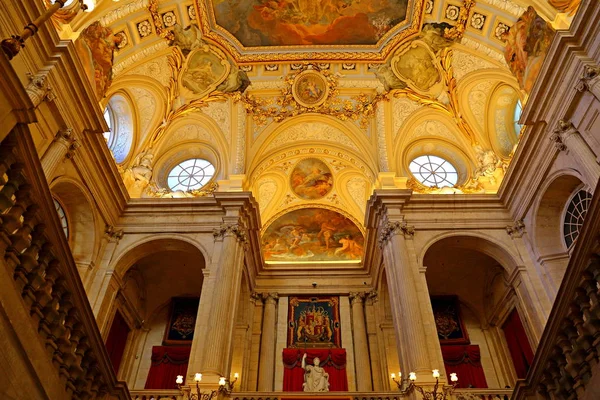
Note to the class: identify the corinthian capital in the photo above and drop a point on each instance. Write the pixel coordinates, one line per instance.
(235, 230)
(270, 297)
(590, 73)
(38, 89)
(357, 297)
(516, 230)
(395, 228)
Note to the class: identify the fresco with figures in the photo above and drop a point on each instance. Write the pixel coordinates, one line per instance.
(527, 44)
(308, 22)
(311, 179)
(312, 234)
(314, 322)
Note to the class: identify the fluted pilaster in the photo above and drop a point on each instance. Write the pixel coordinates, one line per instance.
(57, 151)
(266, 369)
(572, 141)
(216, 354)
(361, 344)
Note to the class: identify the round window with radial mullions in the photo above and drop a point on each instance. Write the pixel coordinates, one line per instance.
(433, 171)
(574, 216)
(190, 174)
(63, 217)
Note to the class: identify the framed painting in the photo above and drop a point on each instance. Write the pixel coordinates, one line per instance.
(314, 322)
(182, 321)
(448, 321)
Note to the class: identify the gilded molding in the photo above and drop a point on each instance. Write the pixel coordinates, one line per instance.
(516, 230)
(235, 230)
(457, 31)
(395, 228)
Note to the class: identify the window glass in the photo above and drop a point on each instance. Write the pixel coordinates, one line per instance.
(433, 171)
(574, 216)
(62, 216)
(190, 174)
(517, 116)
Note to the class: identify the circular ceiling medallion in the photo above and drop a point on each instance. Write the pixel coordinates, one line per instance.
(311, 179)
(310, 89)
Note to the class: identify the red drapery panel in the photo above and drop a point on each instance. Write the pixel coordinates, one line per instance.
(167, 363)
(518, 345)
(116, 340)
(466, 362)
(332, 360)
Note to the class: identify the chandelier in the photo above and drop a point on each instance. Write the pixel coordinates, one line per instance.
(436, 393)
(225, 387)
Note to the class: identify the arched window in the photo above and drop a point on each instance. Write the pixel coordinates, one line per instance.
(574, 215)
(63, 217)
(433, 171)
(190, 174)
(517, 117)
(118, 115)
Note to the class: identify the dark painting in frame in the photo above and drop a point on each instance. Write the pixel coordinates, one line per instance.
(182, 321)
(448, 320)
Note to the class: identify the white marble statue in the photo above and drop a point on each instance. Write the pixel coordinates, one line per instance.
(315, 377)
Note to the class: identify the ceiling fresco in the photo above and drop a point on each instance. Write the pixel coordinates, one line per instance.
(306, 22)
(328, 29)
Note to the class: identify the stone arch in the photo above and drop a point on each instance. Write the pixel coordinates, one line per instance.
(81, 219)
(477, 241)
(348, 138)
(135, 251)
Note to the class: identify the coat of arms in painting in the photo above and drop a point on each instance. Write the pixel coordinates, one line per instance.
(204, 70)
(314, 322)
(448, 321)
(182, 321)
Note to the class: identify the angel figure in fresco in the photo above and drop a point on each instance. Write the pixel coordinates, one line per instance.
(315, 377)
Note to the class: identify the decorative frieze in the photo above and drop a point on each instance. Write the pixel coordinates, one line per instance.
(394, 228)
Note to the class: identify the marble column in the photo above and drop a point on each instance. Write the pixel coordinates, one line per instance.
(404, 283)
(361, 345)
(226, 279)
(266, 369)
(57, 151)
(571, 140)
(372, 327)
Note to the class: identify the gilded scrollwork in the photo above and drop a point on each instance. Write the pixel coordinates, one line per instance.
(264, 109)
(154, 191)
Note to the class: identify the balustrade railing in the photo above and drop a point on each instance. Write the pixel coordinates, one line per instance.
(37, 259)
(568, 350)
(482, 394)
(156, 394)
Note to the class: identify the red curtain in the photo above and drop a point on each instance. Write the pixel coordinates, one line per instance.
(167, 363)
(466, 362)
(333, 362)
(518, 345)
(116, 340)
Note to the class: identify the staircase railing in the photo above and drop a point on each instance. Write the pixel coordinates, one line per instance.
(39, 266)
(569, 348)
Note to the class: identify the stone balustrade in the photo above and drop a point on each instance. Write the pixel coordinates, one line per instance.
(39, 267)
(482, 394)
(156, 394)
(316, 396)
(568, 351)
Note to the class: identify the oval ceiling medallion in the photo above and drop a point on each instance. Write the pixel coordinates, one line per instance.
(311, 179)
